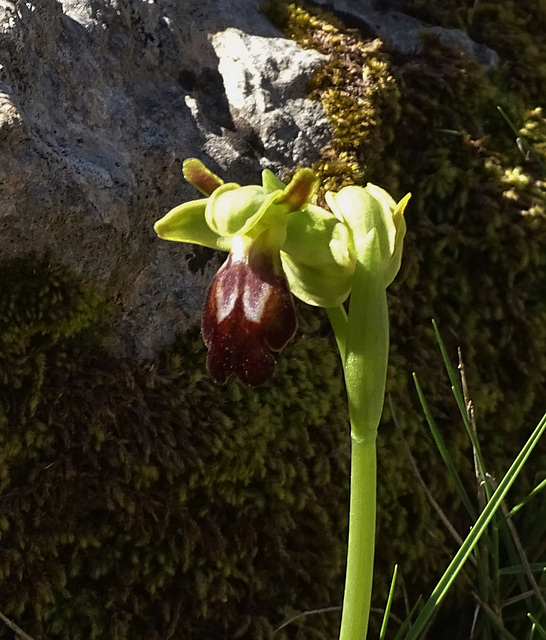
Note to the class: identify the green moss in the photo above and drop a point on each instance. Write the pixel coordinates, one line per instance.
(139, 500)
(512, 28)
(360, 97)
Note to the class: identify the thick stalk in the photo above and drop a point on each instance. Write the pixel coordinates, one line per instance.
(360, 554)
(363, 342)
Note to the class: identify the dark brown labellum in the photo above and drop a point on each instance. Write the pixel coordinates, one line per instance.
(249, 314)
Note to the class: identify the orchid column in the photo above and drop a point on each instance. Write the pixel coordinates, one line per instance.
(280, 244)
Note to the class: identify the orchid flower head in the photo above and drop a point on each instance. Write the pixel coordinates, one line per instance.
(280, 243)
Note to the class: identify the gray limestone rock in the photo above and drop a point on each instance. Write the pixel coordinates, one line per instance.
(382, 19)
(100, 103)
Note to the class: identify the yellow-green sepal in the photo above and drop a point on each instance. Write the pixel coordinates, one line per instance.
(186, 223)
(200, 177)
(393, 216)
(320, 287)
(270, 181)
(317, 238)
(234, 210)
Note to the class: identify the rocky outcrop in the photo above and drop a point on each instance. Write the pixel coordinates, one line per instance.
(102, 100)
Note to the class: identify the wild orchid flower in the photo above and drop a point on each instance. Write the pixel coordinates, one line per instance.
(280, 244)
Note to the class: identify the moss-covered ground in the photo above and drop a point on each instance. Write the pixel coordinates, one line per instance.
(139, 500)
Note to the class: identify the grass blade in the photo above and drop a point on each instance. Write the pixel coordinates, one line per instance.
(385, 622)
(537, 626)
(466, 548)
(536, 567)
(522, 139)
(496, 621)
(531, 495)
(446, 457)
(407, 622)
(455, 388)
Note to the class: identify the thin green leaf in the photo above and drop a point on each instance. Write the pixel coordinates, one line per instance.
(537, 625)
(514, 538)
(407, 622)
(385, 622)
(536, 567)
(446, 457)
(455, 388)
(523, 140)
(527, 498)
(466, 548)
(515, 559)
(531, 634)
(538, 526)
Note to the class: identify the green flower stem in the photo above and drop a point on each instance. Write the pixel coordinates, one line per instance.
(360, 555)
(363, 341)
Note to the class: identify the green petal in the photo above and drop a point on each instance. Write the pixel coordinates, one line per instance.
(186, 223)
(357, 207)
(386, 207)
(400, 225)
(316, 238)
(318, 257)
(373, 208)
(233, 210)
(325, 287)
(300, 190)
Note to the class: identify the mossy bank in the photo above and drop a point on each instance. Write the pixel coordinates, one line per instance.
(140, 500)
